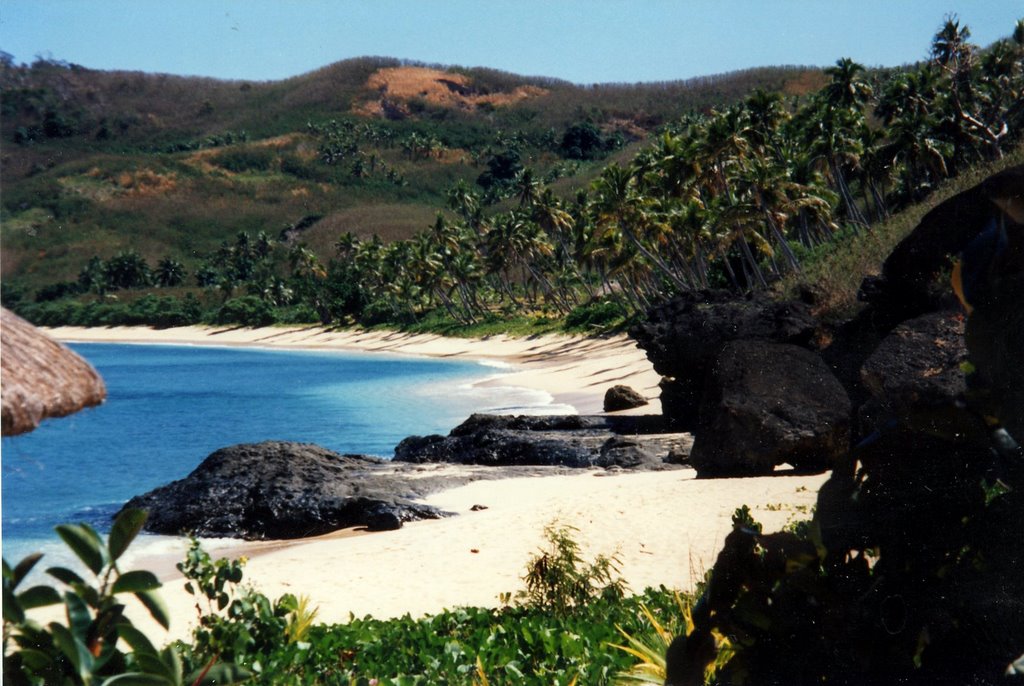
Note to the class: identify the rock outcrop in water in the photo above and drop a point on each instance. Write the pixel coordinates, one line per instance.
(281, 490)
(565, 441)
(284, 490)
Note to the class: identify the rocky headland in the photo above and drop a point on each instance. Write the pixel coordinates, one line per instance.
(750, 384)
(286, 490)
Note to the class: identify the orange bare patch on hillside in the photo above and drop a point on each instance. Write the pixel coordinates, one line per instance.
(278, 142)
(628, 126)
(146, 182)
(200, 159)
(436, 87)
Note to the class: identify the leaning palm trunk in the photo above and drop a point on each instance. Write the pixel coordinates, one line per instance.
(852, 211)
(655, 259)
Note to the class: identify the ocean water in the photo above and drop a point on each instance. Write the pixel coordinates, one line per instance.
(169, 407)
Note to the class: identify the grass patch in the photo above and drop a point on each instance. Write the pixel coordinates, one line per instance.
(834, 272)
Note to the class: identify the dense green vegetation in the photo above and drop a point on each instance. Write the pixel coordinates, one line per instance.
(740, 197)
(563, 629)
(96, 163)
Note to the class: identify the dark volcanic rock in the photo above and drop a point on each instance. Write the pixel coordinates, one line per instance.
(683, 337)
(914, 277)
(622, 398)
(281, 490)
(499, 447)
(915, 376)
(628, 453)
(766, 404)
(565, 441)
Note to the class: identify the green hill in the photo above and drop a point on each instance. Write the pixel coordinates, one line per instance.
(382, 192)
(98, 162)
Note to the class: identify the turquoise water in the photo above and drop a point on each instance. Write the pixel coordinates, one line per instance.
(168, 407)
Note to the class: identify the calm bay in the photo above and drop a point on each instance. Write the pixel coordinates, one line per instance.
(170, 406)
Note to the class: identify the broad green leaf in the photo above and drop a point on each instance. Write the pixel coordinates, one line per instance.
(13, 611)
(137, 679)
(155, 604)
(22, 569)
(133, 582)
(172, 661)
(85, 543)
(79, 616)
(126, 527)
(73, 649)
(34, 659)
(152, 664)
(137, 640)
(38, 596)
(66, 575)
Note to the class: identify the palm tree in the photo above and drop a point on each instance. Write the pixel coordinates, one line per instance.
(619, 207)
(169, 273)
(767, 115)
(309, 276)
(955, 55)
(465, 202)
(93, 276)
(346, 246)
(526, 187)
(846, 90)
(547, 213)
(127, 269)
(834, 142)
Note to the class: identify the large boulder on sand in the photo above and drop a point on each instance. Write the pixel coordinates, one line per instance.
(280, 490)
(916, 376)
(766, 404)
(683, 337)
(622, 397)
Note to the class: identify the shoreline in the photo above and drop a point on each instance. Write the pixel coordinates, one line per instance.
(665, 527)
(573, 370)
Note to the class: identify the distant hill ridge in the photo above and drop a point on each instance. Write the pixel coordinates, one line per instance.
(97, 162)
(141, 104)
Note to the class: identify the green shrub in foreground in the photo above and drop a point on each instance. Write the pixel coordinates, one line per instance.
(562, 634)
(242, 635)
(89, 648)
(516, 645)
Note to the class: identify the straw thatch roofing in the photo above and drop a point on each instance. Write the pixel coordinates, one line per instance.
(41, 378)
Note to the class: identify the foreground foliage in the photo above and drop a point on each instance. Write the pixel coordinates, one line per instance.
(86, 649)
(513, 645)
(559, 633)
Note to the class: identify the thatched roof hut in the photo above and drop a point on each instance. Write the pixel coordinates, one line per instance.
(40, 377)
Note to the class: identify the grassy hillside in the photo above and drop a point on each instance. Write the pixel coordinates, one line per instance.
(98, 162)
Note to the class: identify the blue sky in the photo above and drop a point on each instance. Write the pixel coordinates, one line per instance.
(585, 41)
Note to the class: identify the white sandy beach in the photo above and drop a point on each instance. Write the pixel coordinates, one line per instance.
(665, 527)
(575, 370)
